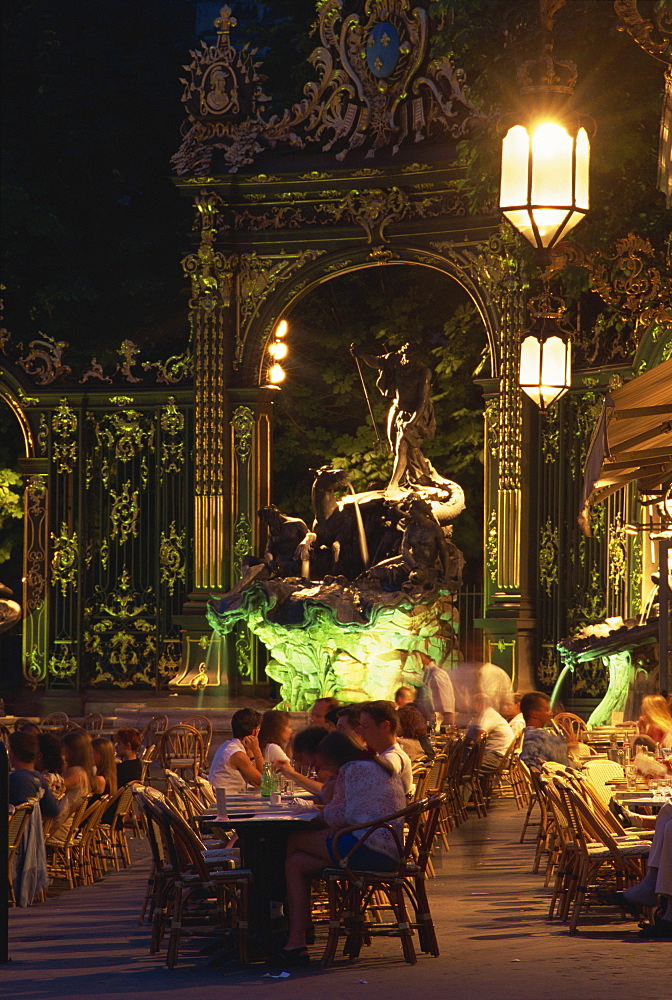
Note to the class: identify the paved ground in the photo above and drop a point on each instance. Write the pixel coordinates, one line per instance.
(489, 910)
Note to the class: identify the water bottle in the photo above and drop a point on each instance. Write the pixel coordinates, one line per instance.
(266, 781)
(613, 749)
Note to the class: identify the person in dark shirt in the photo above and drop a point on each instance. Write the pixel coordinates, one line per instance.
(126, 746)
(25, 782)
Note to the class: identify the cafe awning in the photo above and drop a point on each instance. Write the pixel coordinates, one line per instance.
(632, 440)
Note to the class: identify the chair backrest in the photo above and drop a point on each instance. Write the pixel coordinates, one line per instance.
(93, 722)
(181, 797)
(426, 830)
(17, 824)
(174, 843)
(573, 726)
(55, 719)
(183, 743)
(598, 772)
(204, 726)
(437, 774)
(120, 802)
(156, 725)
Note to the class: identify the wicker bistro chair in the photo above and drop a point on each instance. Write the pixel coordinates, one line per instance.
(572, 726)
(181, 748)
(92, 723)
(55, 719)
(595, 848)
(182, 867)
(18, 822)
(354, 906)
(204, 726)
(110, 848)
(60, 845)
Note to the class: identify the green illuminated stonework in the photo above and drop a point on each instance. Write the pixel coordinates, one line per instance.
(354, 661)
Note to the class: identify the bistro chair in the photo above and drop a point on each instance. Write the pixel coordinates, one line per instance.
(18, 822)
(55, 719)
(181, 748)
(595, 849)
(185, 877)
(354, 896)
(156, 725)
(204, 726)
(92, 723)
(572, 726)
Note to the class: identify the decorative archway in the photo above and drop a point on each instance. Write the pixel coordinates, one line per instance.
(363, 172)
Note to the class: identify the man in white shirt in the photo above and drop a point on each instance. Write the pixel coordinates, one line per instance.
(499, 737)
(239, 762)
(474, 678)
(378, 727)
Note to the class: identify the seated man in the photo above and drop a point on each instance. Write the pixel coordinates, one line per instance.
(378, 724)
(239, 762)
(348, 722)
(499, 738)
(404, 696)
(321, 710)
(511, 712)
(25, 782)
(541, 744)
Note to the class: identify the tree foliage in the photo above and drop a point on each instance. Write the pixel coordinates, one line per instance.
(322, 415)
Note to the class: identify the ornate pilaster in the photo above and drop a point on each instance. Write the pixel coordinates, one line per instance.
(35, 572)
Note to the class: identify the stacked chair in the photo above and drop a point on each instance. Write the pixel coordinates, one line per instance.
(586, 847)
(189, 886)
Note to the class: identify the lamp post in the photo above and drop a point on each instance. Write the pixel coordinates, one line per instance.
(544, 193)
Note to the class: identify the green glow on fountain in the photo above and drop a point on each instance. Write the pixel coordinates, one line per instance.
(353, 661)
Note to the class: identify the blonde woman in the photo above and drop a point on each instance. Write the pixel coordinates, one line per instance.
(78, 778)
(655, 720)
(105, 778)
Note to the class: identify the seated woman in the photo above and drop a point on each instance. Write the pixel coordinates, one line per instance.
(105, 778)
(127, 745)
(77, 776)
(367, 788)
(412, 733)
(275, 733)
(305, 750)
(655, 720)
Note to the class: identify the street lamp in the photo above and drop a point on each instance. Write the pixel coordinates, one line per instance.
(545, 361)
(544, 194)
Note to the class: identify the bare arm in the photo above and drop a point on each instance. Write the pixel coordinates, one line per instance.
(310, 784)
(241, 762)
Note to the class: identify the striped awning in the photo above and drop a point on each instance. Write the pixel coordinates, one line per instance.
(632, 440)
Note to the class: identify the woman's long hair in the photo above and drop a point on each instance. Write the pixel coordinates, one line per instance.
(412, 725)
(656, 713)
(80, 753)
(108, 765)
(339, 748)
(272, 724)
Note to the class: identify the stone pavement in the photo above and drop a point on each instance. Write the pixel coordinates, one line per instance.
(489, 910)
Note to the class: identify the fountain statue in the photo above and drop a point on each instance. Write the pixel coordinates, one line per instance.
(344, 605)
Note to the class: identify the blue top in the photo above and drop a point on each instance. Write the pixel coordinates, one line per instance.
(25, 785)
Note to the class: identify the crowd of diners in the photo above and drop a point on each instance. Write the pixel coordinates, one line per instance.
(61, 772)
(355, 759)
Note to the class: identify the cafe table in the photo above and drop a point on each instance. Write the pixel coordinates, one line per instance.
(263, 830)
